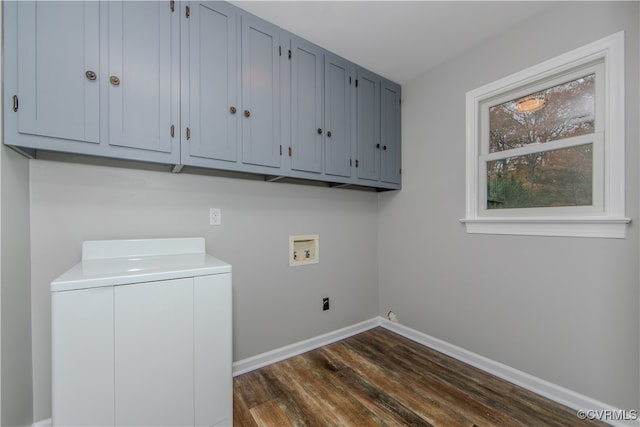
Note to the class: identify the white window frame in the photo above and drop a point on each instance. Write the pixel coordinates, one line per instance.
(606, 217)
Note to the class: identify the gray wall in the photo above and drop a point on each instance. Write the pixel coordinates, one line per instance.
(562, 309)
(16, 399)
(274, 304)
(15, 358)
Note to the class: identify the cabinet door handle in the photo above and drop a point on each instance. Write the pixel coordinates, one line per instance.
(232, 109)
(319, 131)
(115, 81)
(247, 113)
(377, 145)
(91, 75)
(384, 147)
(328, 134)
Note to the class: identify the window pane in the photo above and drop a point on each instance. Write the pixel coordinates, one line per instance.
(547, 179)
(555, 113)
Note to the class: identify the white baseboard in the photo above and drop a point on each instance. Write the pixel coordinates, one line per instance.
(252, 363)
(537, 385)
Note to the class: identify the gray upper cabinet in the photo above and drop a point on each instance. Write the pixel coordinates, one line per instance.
(52, 60)
(321, 139)
(368, 125)
(199, 83)
(92, 78)
(211, 81)
(378, 130)
(306, 110)
(261, 145)
(142, 76)
(337, 116)
(390, 133)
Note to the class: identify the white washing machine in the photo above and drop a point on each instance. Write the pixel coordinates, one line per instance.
(141, 335)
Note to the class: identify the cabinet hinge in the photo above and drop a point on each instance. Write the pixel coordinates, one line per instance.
(187, 11)
(188, 134)
(356, 82)
(172, 5)
(173, 131)
(15, 102)
(290, 151)
(289, 53)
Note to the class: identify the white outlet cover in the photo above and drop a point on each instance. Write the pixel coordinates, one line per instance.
(215, 216)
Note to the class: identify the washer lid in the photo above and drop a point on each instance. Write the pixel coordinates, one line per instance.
(121, 262)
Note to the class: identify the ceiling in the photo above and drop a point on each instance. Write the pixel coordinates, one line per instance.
(396, 39)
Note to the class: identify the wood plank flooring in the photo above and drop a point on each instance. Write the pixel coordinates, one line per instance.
(379, 378)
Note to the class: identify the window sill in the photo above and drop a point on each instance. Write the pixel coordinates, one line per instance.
(613, 228)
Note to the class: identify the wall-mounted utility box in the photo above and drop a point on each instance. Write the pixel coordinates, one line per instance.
(304, 250)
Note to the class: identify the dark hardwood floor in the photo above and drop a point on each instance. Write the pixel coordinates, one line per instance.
(378, 378)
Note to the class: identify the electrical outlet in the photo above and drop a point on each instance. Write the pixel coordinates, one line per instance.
(325, 304)
(215, 216)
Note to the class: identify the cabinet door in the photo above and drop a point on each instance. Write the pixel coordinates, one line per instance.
(57, 50)
(154, 379)
(260, 93)
(82, 357)
(337, 99)
(306, 109)
(211, 106)
(368, 123)
(143, 77)
(213, 350)
(390, 133)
